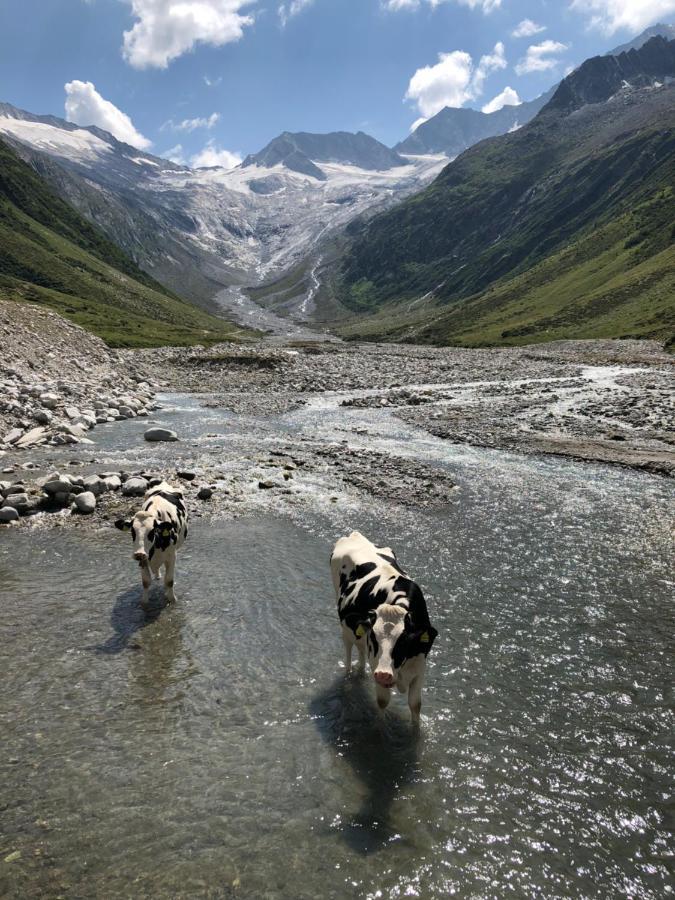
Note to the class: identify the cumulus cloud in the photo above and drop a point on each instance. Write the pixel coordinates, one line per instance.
(85, 106)
(453, 81)
(540, 57)
(486, 6)
(527, 28)
(192, 124)
(288, 10)
(212, 155)
(166, 29)
(630, 15)
(508, 97)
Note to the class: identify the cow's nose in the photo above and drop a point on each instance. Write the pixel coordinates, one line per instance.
(140, 555)
(386, 679)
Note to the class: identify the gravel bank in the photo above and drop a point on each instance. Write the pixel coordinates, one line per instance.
(57, 381)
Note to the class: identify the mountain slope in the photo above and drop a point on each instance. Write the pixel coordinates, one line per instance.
(50, 255)
(512, 202)
(453, 130)
(199, 231)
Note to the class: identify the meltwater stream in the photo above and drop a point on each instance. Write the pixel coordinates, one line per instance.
(214, 749)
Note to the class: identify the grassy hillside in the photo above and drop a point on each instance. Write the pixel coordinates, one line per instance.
(520, 229)
(50, 255)
(617, 281)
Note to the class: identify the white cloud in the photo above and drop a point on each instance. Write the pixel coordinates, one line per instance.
(175, 154)
(416, 124)
(212, 155)
(166, 29)
(508, 97)
(453, 81)
(630, 15)
(487, 6)
(212, 82)
(540, 57)
(527, 28)
(288, 10)
(192, 124)
(85, 106)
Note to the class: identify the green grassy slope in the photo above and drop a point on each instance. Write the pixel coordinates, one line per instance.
(617, 281)
(508, 236)
(50, 255)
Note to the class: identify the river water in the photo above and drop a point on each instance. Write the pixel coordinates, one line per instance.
(214, 749)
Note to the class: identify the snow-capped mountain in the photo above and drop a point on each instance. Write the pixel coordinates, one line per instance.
(199, 230)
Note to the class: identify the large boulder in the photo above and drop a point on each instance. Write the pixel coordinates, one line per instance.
(57, 486)
(160, 434)
(95, 484)
(19, 502)
(85, 503)
(134, 486)
(8, 514)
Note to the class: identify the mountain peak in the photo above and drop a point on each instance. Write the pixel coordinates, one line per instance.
(453, 130)
(601, 77)
(301, 151)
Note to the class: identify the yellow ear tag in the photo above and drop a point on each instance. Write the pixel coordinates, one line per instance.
(424, 638)
(166, 532)
(360, 631)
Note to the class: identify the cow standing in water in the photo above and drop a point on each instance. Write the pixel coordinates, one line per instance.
(158, 530)
(383, 613)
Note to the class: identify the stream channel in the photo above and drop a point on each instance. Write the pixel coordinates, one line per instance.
(215, 748)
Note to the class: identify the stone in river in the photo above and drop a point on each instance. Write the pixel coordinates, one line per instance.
(205, 492)
(160, 434)
(134, 487)
(57, 486)
(8, 514)
(85, 503)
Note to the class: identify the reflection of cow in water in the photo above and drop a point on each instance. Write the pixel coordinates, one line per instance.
(158, 530)
(383, 613)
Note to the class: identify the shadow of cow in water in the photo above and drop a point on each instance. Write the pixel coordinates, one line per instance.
(128, 617)
(382, 751)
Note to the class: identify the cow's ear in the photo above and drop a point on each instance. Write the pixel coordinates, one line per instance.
(123, 525)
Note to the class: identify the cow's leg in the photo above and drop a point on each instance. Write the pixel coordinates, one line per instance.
(348, 641)
(383, 696)
(415, 698)
(146, 578)
(169, 572)
(361, 647)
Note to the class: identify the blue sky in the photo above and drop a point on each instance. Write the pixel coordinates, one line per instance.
(232, 74)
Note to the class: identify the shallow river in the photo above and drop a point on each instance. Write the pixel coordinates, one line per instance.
(214, 749)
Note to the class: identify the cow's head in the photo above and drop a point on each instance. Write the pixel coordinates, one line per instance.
(147, 532)
(392, 638)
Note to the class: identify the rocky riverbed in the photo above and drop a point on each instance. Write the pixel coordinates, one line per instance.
(608, 401)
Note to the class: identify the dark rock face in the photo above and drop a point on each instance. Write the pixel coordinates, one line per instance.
(299, 152)
(601, 77)
(452, 131)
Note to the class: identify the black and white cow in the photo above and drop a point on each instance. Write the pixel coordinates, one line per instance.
(382, 612)
(158, 530)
